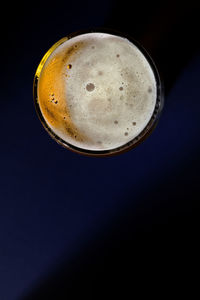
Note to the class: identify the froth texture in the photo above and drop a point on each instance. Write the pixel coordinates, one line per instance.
(97, 91)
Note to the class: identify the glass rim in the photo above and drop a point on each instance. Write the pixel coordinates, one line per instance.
(136, 140)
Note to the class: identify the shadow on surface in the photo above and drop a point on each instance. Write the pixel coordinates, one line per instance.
(150, 241)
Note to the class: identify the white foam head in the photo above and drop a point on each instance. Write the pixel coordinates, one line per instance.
(97, 91)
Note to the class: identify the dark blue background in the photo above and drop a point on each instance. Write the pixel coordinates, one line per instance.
(73, 225)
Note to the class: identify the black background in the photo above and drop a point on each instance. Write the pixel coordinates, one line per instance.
(74, 226)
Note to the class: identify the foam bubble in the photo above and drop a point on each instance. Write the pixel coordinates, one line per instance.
(90, 87)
